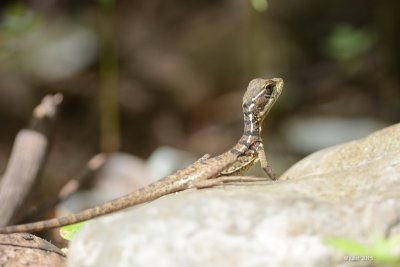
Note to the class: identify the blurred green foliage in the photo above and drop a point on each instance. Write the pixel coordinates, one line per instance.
(259, 5)
(382, 250)
(19, 19)
(347, 44)
(17, 22)
(106, 2)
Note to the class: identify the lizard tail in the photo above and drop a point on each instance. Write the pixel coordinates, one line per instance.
(123, 202)
(66, 220)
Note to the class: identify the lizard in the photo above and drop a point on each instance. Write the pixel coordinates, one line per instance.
(207, 171)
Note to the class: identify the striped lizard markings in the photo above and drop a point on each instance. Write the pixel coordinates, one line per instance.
(207, 171)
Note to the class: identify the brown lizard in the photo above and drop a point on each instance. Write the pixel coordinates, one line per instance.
(207, 171)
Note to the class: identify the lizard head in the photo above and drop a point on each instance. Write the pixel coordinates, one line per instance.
(260, 96)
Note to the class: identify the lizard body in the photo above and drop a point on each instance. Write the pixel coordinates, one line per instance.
(207, 171)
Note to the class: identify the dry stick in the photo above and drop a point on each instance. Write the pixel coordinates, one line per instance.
(28, 156)
(91, 169)
(85, 177)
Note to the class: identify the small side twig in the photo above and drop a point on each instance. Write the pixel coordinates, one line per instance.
(85, 177)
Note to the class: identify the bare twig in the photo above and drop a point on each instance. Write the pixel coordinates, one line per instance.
(91, 169)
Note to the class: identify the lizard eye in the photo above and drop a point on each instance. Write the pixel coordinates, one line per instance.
(269, 89)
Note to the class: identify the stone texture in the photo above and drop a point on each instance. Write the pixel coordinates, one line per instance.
(21, 250)
(350, 191)
(381, 145)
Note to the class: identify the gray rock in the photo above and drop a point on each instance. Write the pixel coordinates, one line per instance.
(349, 191)
(382, 146)
(165, 160)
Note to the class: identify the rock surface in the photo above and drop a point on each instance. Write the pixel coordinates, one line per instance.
(377, 148)
(349, 191)
(21, 250)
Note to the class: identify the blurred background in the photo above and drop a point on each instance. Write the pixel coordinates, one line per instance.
(164, 79)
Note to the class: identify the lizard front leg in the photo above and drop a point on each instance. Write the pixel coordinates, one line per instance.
(264, 163)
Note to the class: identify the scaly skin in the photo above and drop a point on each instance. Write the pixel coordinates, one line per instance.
(258, 100)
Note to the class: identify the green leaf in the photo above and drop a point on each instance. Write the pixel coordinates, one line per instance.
(349, 246)
(381, 250)
(68, 232)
